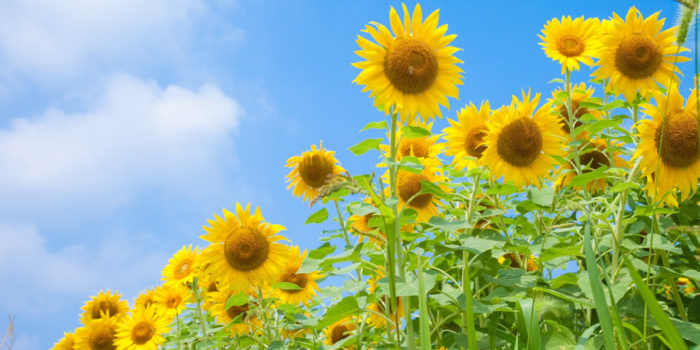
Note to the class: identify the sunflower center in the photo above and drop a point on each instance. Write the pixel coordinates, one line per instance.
(408, 185)
(142, 333)
(104, 306)
(212, 287)
(473, 140)
(315, 169)
(173, 301)
(234, 311)
(411, 65)
(102, 338)
(520, 142)
(570, 45)
(300, 279)
(246, 248)
(183, 269)
(418, 145)
(638, 56)
(680, 141)
(596, 159)
(339, 333)
(578, 113)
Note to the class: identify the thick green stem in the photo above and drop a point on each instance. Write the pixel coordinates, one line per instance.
(200, 314)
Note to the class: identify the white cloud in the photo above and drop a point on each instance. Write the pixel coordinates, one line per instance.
(49, 38)
(135, 136)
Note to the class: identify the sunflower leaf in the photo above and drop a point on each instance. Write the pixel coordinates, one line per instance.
(237, 300)
(317, 217)
(286, 286)
(375, 125)
(365, 146)
(346, 307)
(583, 179)
(410, 132)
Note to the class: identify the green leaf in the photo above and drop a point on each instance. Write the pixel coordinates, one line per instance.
(558, 337)
(529, 322)
(614, 104)
(429, 187)
(559, 250)
(583, 179)
(317, 217)
(237, 300)
(276, 345)
(365, 146)
(411, 164)
(478, 245)
(567, 278)
(410, 132)
(376, 125)
(598, 296)
(286, 286)
(322, 251)
(346, 307)
(623, 186)
(442, 224)
(664, 322)
(542, 196)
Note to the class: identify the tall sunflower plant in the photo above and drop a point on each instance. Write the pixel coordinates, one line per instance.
(567, 220)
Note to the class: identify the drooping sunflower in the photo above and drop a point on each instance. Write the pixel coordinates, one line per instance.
(531, 261)
(636, 55)
(66, 343)
(311, 170)
(245, 249)
(520, 142)
(579, 93)
(249, 324)
(408, 185)
(339, 331)
(108, 303)
(592, 158)
(679, 159)
(305, 281)
(98, 334)
(359, 225)
(419, 147)
(181, 267)
(381, 305)
(412, 69)
(465, 135)
(171, 300)
(571, 42)
(146, 298)
(143, 330)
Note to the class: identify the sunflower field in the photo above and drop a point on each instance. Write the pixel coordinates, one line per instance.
(563, 221)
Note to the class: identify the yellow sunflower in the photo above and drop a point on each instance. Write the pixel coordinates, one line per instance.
(359, 225)
(420, 147)
(171, 300)
(531, 261)
(571, 42)
(146, 298)
(579, 93)
(305, 281)
(465, 135)
(408, 185)
(66, 343)
(143, 330)
(207, 284)
(592, 158)
(380, 305)
(181, 267)
(412, 69)
(311, 171)
(636, 55)
(110, 304)
(244, 249)
(249, 324)
(679, 159)
(98, 334)
(339, 331)
(520, 142)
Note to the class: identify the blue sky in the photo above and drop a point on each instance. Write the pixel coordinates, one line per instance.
(125, 124)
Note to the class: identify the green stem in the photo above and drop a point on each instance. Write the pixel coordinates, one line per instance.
(342, 223)
(468, 326)
(198, 296)
(619, 221)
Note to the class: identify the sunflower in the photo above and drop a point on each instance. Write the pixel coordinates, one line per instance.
(419, 147)
(408, 185)
(531, 261)
(679, 159)
(181, 267)
(636, 54)
(339, 331)
(98, 334)
(311, 171)
(412, 69)
(305, 281)
(146, 298)
(591, 159)
(171, 300)
(107, 303)
(579, 93)
(465, 135)
(249, 322)
(381, 304)
(207, 284)
(143, 330)
(66, 343)
(520, 142)
(571, 42)
(244, 249)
